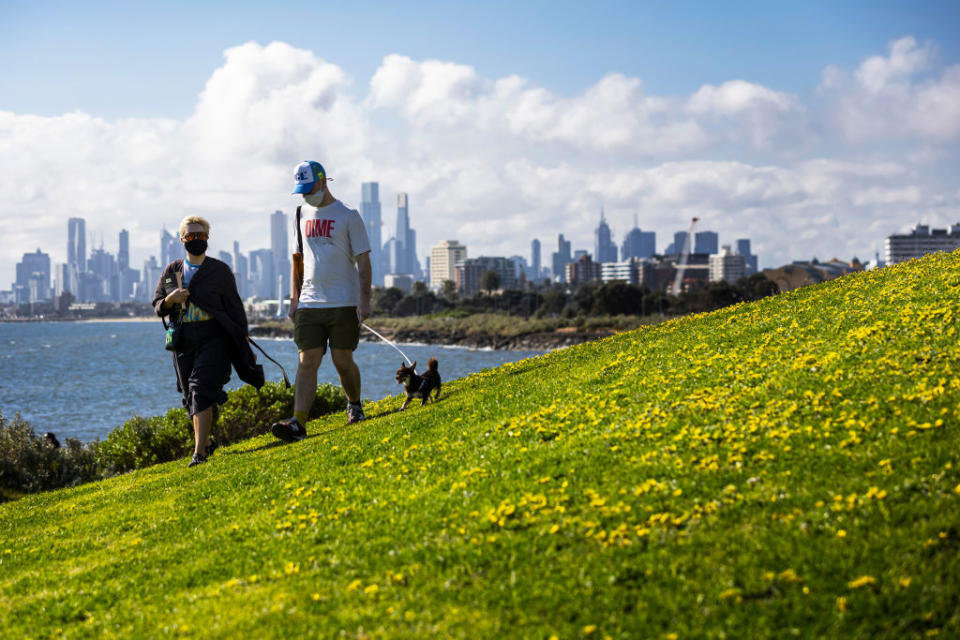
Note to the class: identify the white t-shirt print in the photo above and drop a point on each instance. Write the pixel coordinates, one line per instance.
(333, 237)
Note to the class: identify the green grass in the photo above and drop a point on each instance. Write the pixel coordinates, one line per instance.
(782, 468)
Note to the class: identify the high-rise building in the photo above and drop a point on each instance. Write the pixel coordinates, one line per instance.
(123, 252)
(373, 220)
(582, 270)
(263, 281)
(726, 266)
(920, 241)
(750, 260)
(170, 248)
(226, 258)
(102, 284)
(76, 252)
(443, 262)
(679, 242)
(560, 258)
(151, 277)
(401, 250)
(534, 272)
(638, 244)
(280, 246)
(240, 272)
(387, 254)
(604, 248)
(33, 278)
(705, 242)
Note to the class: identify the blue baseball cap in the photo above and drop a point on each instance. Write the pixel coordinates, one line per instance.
(307, 174)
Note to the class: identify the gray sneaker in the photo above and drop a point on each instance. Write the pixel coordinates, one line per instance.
(354, 413)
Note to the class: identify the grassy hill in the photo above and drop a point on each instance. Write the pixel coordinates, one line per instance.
(783, 468)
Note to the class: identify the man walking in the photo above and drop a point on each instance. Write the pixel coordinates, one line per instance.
(333, 300)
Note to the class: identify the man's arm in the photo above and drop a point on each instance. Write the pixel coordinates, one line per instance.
(296, 282)
(366, 276)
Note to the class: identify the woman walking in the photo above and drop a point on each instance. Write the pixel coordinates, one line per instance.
(200, 296)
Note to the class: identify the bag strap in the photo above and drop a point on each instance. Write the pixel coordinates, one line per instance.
(299, 237)
(286, 381)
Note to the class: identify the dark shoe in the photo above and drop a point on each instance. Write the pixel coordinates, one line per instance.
(289, 430)
(211, 447)
(198, 458)
(354, 413)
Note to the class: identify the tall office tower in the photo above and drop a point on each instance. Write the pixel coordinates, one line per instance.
(401, 249)
(150, 279)
(638, 244)
(386, 252)
(560, 258)
(33, 278)
(280, 245)
(726, 266)
(123, 254)
(373, 220)
(604, 248)
(103, 287)
(534, 272)
(705, 242)
(170, 248)
(743, 249)
(415, 269)
(76, 252)
(226, 258)
(679, 240)
(240, 271)
(443, 262)
(263, 282)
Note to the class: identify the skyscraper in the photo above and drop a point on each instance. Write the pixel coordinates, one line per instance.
(750, 260)
(638, 244)
(560, 258)
(706, 242)
(280, 246)
(534, 274)
(401, 251)
(33, 278)
(170, 248)
(76, 253)
(373, 220)
(240, 271)
(604, 248)
(123, 254)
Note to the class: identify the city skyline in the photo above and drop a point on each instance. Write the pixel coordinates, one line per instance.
(827, 125)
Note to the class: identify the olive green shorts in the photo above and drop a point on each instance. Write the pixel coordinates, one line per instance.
(312, 328)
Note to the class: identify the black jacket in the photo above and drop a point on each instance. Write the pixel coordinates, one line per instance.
(214, 289)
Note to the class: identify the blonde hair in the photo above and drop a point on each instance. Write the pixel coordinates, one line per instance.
(193, 220)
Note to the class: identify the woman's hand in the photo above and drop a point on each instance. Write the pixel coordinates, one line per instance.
(177, 296)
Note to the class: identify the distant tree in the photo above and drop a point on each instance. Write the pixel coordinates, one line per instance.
(385, 300)
(553, 302)
(64, 302)
(449, 289)
(419, 288)
(490, 280)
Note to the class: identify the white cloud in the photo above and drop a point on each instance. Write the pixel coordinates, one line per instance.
(496, 162)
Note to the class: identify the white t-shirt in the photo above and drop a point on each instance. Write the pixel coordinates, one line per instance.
(333, 237)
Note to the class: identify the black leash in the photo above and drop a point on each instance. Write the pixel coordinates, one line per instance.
(286, 381)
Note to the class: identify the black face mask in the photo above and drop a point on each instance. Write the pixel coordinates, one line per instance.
(196, 247)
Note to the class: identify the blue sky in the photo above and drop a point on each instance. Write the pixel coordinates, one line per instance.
(814, 128)
(122, 59)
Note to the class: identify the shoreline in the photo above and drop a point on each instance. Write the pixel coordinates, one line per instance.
(535, 341)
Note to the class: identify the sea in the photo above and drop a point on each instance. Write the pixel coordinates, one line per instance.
(83, 379)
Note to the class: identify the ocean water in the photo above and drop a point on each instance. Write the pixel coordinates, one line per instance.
(83, 379)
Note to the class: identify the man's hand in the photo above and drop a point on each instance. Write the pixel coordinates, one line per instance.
(177, 296)
(292, 311)
(363, 311)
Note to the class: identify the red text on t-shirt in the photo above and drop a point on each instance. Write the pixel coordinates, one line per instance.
(319, 228)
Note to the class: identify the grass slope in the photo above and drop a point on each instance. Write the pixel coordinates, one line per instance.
(787, 467)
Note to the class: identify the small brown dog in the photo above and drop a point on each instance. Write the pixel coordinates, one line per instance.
(419, 386)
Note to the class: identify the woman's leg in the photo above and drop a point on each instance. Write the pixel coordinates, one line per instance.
(201, 430)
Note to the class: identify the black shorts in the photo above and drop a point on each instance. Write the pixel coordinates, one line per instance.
(203, 365)
(313, 328)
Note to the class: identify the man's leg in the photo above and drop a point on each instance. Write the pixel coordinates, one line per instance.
(201, 430)
(349, 372)
(305, 391)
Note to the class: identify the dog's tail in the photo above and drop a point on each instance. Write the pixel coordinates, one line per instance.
(432, 364)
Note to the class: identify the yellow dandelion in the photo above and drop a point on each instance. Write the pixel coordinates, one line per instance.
(590, 628)
(356, 584)
(841, 604)
(842, 533)
(862, 581)
(371, 589)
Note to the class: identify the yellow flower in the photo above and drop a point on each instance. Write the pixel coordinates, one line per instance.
(371, 589)
(841, 604)
(862, 581)
(590, 628)
(842, 533)
(356, 584)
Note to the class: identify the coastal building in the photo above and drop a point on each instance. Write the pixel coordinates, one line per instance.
(920, 241)
(629, 271)
(469, 273)
(443, 262)
(726, 266)
(583, 270)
